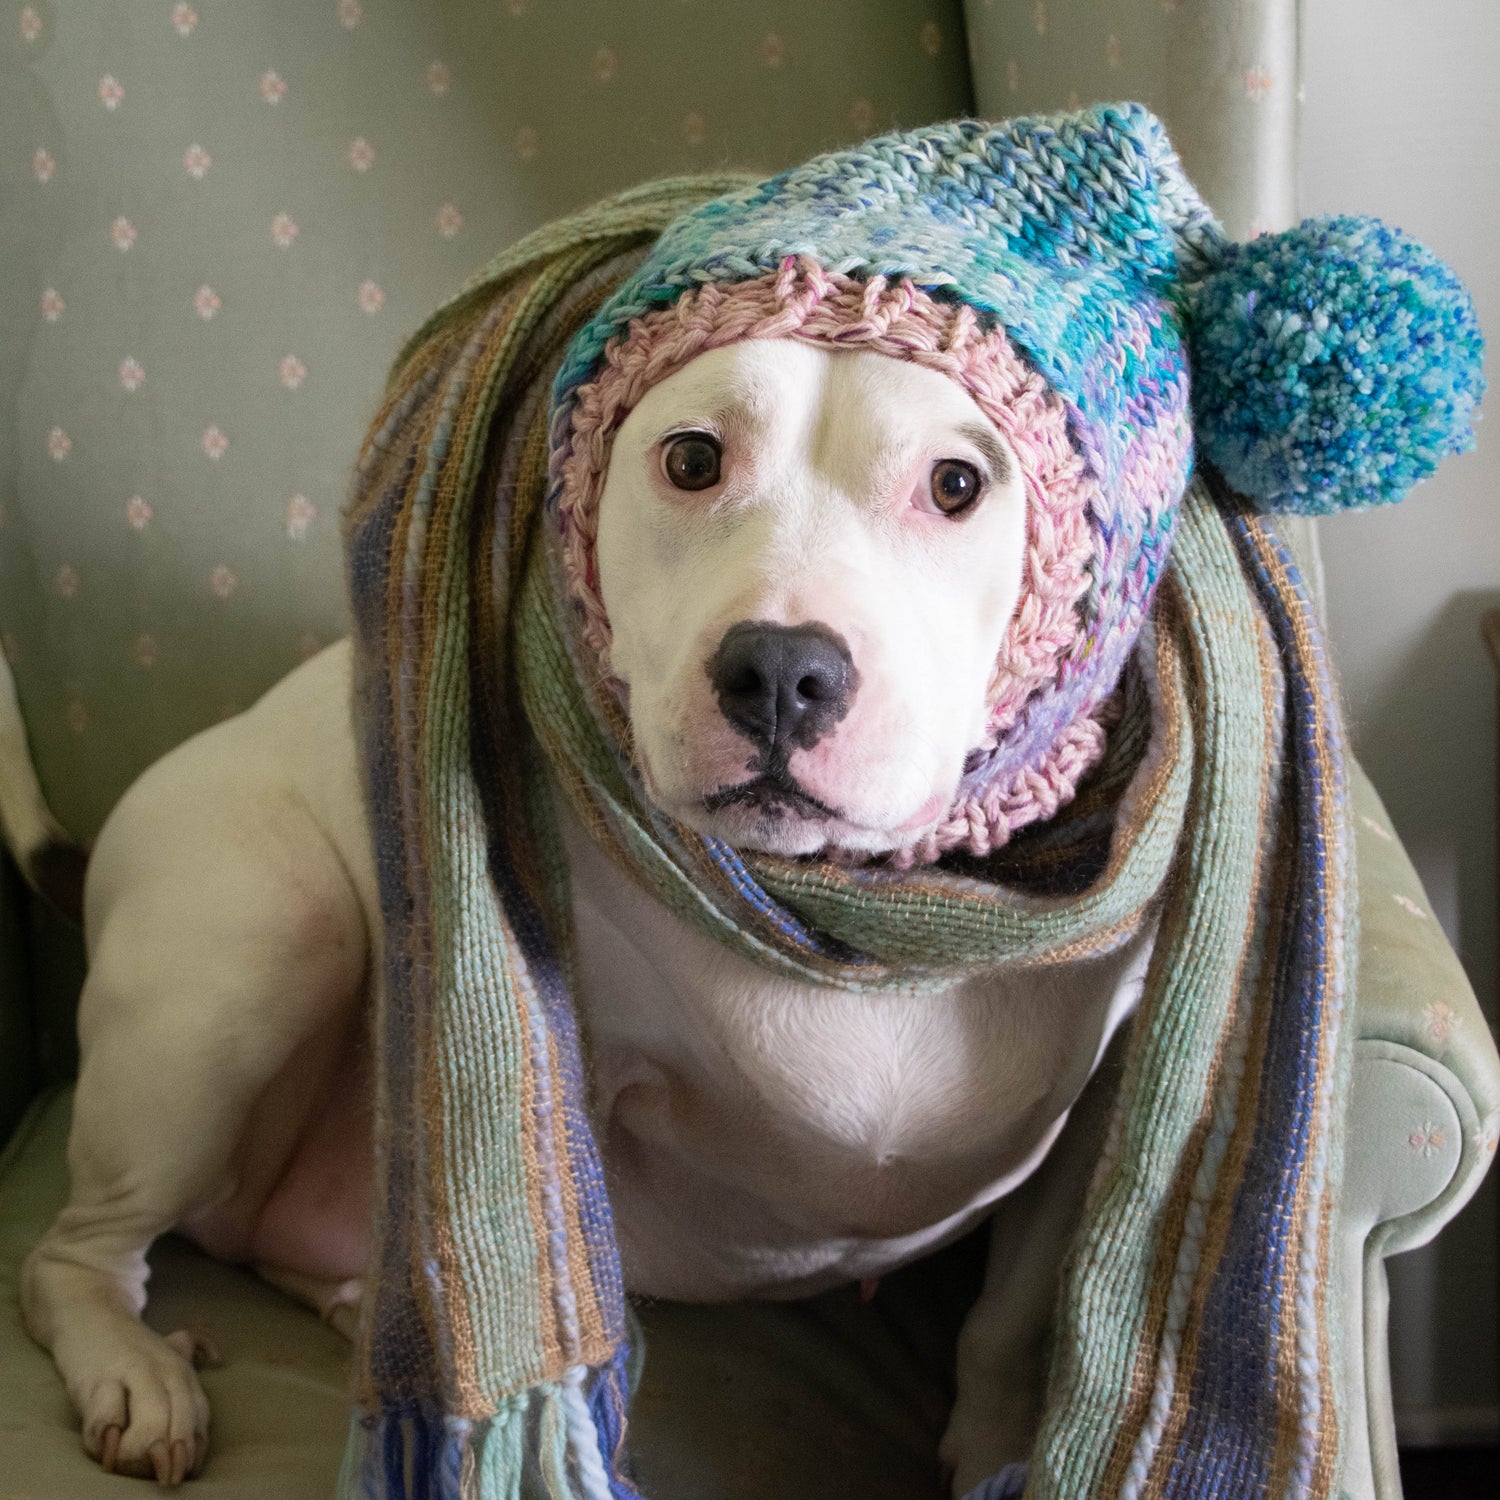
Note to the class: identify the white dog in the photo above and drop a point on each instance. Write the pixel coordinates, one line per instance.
(807, 661)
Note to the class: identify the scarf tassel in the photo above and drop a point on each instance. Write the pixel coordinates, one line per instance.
(564, 1433)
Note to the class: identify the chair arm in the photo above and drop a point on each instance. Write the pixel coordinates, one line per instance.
(1424, 1101)
(1416, 1003)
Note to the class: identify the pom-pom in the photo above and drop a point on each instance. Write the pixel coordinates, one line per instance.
(1334, 366)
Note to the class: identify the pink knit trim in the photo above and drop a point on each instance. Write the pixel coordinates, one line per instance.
(801, 300)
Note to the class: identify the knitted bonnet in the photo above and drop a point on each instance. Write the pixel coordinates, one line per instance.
(1064, 271)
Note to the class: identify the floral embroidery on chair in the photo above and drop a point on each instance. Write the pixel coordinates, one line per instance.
(1438, 1017)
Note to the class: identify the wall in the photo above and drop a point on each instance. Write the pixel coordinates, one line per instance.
(1401, 118)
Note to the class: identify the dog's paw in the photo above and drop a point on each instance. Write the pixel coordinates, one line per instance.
(143, 1410)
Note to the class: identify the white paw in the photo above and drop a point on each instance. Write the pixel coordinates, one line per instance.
(143, 1410)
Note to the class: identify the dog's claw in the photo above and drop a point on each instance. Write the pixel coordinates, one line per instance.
(161, 1462)
(181, 1455)
(109, 1448)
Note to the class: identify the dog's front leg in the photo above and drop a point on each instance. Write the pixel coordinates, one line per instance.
(205, 983)
(1004, 1347)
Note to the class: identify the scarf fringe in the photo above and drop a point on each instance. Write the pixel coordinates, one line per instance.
(565, 1434)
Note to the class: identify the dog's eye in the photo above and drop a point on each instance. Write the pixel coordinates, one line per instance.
(954, 486)
(691, 461)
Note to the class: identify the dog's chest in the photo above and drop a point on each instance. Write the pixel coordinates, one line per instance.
(763, 1137)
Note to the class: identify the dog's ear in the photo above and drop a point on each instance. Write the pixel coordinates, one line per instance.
(1333, 366)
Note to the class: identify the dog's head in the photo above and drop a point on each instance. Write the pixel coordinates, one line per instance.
(809, 559)
(830, 540)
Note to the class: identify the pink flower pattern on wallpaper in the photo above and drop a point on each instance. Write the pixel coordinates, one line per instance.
(272, 87)
(43, 164)
(214, 444)
(360, 155)
(439, 77)
(449, 221)
(284, 230)
(52, 305)
(184, 19)
(110, 92)
(370, 297)
(206, 302)
(137, 513)
(293, 372)
(1257, 82)
(222, 581)
(132, 376)
(31, 24)
(300, 512)
(122, 232)
(197, 161)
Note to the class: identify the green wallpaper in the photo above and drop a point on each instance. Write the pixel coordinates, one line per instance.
(218, 220)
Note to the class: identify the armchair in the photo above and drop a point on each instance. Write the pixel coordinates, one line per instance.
(224, 224)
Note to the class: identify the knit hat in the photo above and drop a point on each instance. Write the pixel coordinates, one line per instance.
(1064, 271)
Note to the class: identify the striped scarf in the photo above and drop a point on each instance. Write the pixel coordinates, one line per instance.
(1195, 1341)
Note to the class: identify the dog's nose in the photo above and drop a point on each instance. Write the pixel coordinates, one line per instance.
(785, 686)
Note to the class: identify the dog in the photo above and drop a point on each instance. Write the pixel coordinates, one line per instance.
(810, 557)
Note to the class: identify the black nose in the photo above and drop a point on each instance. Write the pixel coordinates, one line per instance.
(785, 686)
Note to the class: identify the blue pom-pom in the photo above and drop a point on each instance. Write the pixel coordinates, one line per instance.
(1334, 366)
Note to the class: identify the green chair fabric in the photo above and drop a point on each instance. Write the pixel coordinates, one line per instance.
(220, 220)
(1424, 1105)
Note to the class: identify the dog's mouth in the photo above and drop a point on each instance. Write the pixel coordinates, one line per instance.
(775, 794)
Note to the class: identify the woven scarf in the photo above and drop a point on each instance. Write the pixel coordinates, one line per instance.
(1195, 1338)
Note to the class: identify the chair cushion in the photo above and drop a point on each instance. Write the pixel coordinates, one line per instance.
(812, 1400)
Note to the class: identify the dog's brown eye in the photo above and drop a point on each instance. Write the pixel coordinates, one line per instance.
(955, 486)
(692, 461)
